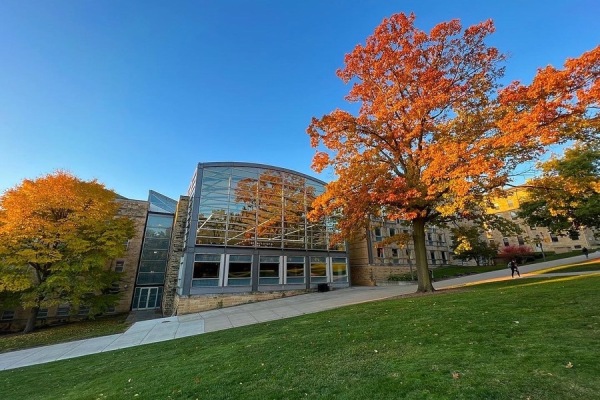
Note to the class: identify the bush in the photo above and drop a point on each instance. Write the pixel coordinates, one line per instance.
(519, 253)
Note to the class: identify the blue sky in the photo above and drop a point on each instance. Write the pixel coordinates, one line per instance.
(136, 93)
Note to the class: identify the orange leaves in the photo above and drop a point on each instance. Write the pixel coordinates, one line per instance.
(433, 136)
(558, 105)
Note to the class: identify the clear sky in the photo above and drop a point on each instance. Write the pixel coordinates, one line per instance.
(136, 93)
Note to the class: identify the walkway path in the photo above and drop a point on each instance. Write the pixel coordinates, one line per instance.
(162, 329)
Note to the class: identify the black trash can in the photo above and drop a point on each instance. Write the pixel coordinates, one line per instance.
(323, 287)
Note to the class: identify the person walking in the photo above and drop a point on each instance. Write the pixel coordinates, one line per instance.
(514, 268)
(585, 252)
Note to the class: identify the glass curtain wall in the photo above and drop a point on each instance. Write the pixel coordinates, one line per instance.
(260, 207)
(155, 249)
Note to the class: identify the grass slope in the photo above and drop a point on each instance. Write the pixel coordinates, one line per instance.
(519, 339)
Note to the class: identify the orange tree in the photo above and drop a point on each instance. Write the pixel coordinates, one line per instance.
(57, 237)
(432, 138)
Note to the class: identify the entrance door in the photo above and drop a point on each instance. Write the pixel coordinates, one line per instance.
(146, 298)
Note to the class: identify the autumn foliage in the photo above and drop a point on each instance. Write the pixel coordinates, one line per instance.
(57, 235)
(432, 138)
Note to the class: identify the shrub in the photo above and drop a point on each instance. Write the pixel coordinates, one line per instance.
(520, 253)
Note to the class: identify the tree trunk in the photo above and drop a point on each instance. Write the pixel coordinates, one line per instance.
(424, 280)
(30, 326)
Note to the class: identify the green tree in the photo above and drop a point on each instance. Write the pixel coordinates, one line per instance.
(566, 195)
(58, 235)
(468, 245)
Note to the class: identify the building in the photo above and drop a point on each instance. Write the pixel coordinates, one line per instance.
(241, 234)
(539, 238)
(377, 256)
(244, 236)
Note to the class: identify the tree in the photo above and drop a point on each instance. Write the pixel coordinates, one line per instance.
(567, 194)
(426, 143)
(468, 245)
(518, 253)
(57, 237)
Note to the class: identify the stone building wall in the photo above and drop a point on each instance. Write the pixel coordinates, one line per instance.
(137, 210)
(175, 253)
(196, 303)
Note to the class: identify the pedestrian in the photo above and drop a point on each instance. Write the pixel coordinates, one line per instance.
(585, 252)
(514, 268)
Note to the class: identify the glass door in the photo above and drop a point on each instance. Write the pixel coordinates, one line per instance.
(147, 298)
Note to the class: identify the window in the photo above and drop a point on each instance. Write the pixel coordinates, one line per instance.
(110, 309)
(239, 270)
(380, 252)
(7, 315)
(432, 253)
(63, 311)
(83, 311)
(394, 253)
(378, 234)
(520, 240)
(553, 237)
(318, 270)
(505, 241)
(114, 288)
(444, 259)
(294, 268)
(42, 313)
(339, 269)
(268, 270)
(429, 238)
(207, 270)
(119, 266)
(392, 231)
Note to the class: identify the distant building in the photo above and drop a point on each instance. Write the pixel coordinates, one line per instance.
(376, 257)
(538, 237)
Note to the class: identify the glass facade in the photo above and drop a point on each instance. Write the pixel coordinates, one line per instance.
(260, 208)
(154, 253)
(249, 231)
(155, 250)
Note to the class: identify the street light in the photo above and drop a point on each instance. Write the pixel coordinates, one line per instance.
(538, 242)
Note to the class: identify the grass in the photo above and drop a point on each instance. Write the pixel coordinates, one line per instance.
(531, 338)
(64, 333)
(587, 266)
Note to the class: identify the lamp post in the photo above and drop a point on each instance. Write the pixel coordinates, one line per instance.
(538, 242)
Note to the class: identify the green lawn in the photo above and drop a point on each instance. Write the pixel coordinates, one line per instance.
(581, 267)
(64, 333)
(519, 339)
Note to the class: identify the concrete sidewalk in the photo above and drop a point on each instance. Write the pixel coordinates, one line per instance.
(161, 329)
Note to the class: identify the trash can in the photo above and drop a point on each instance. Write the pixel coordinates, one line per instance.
(323, 287)
(431, 274)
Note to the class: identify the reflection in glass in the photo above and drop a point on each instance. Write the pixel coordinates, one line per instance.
(207, 270)
(268, 270)
(318, 269)
(295, 269)
(252, 206)
(339, 269)
(239, 270)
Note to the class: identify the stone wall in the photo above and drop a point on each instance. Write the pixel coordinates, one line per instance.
(193, 304)
(175, 253)
(370, 275)
(136, 210)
